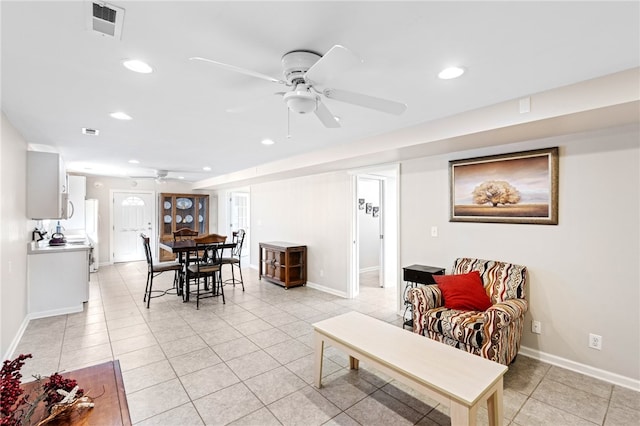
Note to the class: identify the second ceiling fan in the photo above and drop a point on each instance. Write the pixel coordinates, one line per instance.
(308, 76)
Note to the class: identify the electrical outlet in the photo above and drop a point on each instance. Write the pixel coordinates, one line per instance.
(536, 327)
(595, 341)
(434, 231)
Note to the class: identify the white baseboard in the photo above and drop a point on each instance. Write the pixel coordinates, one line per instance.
(607, 376)
(370, 269)
(54, 312)
(14, 343)
(317, 286)
(327, 289)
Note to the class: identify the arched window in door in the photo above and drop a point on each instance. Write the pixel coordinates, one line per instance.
(132, 212)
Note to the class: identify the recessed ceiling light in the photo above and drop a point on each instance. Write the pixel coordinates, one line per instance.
(267, 142)
(120, 115)
(180, 177)
(451, 72)
(88, 131)
(134, 162)
(137, 66)
(206, 168)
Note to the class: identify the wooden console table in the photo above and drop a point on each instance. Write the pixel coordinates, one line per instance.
(283, 263)
(103, 382)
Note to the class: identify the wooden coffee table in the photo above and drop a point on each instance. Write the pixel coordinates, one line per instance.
(452, 377)
(104, 383)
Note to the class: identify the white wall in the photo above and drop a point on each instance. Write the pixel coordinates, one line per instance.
(583, 272)
(369, 226)
(314, 211)
(14, 235)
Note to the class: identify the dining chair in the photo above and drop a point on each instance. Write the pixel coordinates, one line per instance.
(234, 260)
(184, 234)
(208, 265)
(153, 270)
(210, 239)
(203, 240)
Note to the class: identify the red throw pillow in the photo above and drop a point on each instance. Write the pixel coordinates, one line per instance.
(463, 292)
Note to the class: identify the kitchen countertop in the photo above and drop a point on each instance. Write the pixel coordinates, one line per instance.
(43, 247)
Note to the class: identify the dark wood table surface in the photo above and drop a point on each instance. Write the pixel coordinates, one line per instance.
(102, 382)
(179, 247)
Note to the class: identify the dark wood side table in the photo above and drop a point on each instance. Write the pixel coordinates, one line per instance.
(283, 263)
(412, 276)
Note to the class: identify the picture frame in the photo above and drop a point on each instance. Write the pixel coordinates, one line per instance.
(369, 208)
(520, 187)
(360, 203)
(375, 211)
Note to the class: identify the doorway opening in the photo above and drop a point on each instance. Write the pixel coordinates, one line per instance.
(132, 213)
(238, 210)
(375, 230)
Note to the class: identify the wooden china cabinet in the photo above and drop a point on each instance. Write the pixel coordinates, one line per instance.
(179, 211)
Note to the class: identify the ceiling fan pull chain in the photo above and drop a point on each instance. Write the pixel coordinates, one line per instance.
(288, 123)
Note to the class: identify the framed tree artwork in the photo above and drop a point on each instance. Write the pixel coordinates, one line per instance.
(520, 187)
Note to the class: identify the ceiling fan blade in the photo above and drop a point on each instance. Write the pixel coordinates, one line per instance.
(337, 60)
(327, 118)
(366, 101)
(233, 68)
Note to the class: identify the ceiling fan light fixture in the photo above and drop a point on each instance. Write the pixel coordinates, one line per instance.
(450, 73)
(136, 65)
(301, 100)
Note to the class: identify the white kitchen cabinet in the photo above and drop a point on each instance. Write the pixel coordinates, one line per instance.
(58, 279)
(76, 207)
(46, 186)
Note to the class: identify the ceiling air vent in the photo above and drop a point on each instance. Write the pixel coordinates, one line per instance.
(92, 132)
(105, 19)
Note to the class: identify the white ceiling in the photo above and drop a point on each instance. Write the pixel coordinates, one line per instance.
(57, 76)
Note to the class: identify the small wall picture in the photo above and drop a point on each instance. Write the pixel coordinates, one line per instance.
(360, 203)
(369, 208)
(376, 211)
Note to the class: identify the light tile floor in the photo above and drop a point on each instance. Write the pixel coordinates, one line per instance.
(249, 362)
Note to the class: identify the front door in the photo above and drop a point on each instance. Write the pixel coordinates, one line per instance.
(133, 214)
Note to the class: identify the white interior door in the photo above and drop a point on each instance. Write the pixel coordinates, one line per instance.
(133, 214)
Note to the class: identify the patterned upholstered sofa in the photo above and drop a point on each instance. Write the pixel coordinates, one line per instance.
(493, 334)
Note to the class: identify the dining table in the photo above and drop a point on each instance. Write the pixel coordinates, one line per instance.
(182, 248)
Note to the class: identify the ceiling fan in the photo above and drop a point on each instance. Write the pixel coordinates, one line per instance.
(161, 176)
(308, 75)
